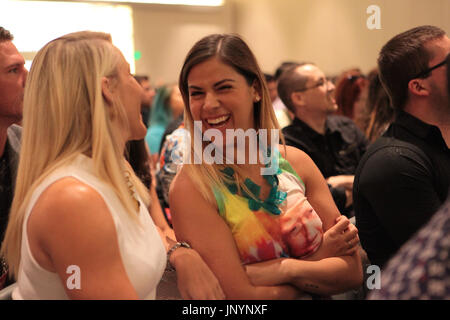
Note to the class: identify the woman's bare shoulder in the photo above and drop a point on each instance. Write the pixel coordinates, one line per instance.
(67, 204)
(298, 159)
(183, 189)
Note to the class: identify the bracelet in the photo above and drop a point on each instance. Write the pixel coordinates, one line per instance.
(171, 250)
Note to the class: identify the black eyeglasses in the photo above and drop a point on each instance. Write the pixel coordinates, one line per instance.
(427, 73)
(321, 82)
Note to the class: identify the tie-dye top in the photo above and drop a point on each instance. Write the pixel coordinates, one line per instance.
(261, 232)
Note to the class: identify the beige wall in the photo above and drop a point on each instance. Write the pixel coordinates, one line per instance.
(332, 33)
(164, 35)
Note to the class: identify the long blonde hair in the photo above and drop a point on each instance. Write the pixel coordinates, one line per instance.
(66, 115)
(233, 51)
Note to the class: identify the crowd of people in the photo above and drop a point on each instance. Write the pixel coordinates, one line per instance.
(322, 177)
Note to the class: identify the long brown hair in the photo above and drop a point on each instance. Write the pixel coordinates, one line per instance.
(379, 112)
(232, 51)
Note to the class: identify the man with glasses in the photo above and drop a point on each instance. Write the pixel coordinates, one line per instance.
(405, 175)
(333, 142)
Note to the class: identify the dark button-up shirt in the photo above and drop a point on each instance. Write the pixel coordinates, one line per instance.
(337, 152)
(400, 183)
(8, 169)
(6, 191)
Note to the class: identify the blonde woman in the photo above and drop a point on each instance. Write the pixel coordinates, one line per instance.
(79, 227)
(271, 236)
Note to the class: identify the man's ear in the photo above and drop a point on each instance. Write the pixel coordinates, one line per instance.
(297, 98)
(418, 87)
(106, 90)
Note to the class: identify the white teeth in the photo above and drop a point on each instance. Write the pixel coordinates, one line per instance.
(218, 120)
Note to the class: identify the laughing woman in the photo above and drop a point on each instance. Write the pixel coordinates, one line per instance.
(79, 227)
(271, 236)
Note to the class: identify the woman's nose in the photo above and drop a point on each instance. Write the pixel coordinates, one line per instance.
(211, 101)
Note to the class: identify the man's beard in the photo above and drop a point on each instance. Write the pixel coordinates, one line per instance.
(441, 102)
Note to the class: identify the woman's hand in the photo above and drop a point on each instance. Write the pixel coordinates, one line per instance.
(341, 239)
(195, 279)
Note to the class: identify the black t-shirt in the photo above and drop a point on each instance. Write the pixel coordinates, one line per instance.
(400, 183)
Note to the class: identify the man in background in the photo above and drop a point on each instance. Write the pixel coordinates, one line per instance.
(147, 98)
(12, 83)
(405, 175)
(333, 142)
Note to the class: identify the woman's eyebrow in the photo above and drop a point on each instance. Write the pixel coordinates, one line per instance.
(218, 83)
(222, 81)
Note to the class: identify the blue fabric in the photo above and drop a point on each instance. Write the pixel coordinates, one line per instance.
(161, 116)
(154, 136)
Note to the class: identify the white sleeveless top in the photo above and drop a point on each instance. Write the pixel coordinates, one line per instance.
(141, 248)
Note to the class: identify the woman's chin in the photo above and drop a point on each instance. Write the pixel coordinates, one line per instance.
(139, 134)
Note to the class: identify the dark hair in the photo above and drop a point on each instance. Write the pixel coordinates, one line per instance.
(347, 92)
(284, 66)
(403, 57)
(269, 77)
(233, 51)
(290, 81)
(5, 35)
(379, 112)
(137, 155)
(140, 78)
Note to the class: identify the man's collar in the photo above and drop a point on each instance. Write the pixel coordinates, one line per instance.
(411, 123)
(419, 128)
(302, 124)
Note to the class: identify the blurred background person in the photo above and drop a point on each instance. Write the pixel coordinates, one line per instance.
(351, 95)
(333, 142)
(147, 97)
(167, 106)
(284, 115)
(271, 86)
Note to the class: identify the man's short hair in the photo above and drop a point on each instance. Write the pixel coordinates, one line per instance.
(290, 81)
(269, 77)
(402, 58)
(283, 67)
(140, 78)
(5, 35)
